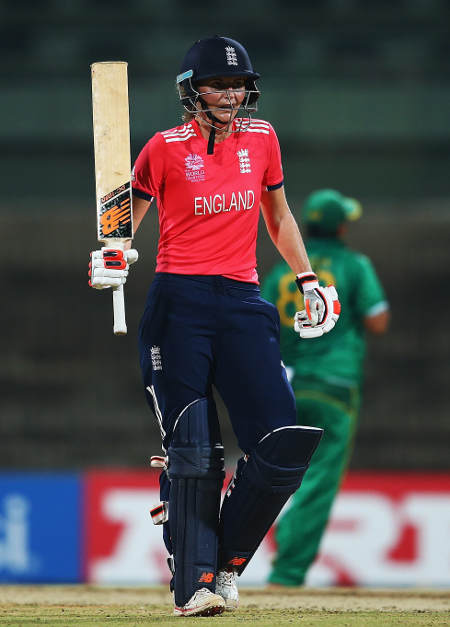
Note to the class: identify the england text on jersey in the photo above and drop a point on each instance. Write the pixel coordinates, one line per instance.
(207, 205)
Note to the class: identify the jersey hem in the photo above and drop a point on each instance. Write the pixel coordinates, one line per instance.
(245, 277)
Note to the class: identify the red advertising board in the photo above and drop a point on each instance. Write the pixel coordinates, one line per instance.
(385, 529)
(122, 545)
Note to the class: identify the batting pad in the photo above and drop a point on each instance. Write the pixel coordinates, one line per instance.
(196, 472)
(263, 483)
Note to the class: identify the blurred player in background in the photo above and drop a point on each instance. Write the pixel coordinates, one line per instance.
(205, 323)
(326, 373)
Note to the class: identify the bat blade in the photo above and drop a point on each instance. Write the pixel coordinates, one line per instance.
(112, 164)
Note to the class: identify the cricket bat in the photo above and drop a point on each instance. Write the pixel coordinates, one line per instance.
(111, 125)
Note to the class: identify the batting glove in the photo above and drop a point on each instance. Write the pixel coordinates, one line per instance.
(308, 284)
(332, 309)
(109, 267)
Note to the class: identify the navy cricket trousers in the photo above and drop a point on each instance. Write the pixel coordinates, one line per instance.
(197, 331)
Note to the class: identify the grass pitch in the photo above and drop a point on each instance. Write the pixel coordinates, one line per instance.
(94, 606)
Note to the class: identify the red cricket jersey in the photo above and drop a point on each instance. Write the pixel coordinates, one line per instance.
(209, 204)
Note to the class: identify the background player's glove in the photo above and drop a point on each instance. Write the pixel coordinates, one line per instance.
(109, 267)
(332, 309)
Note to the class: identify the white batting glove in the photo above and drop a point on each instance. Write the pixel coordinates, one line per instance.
(332, 309)
(308, 284)
(109, 267)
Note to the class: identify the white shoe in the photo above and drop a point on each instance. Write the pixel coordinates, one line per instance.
(226, 586)
(202, 603)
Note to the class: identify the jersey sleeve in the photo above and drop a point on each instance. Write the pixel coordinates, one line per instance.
(148, 171)
(370, 298)
(273, 176)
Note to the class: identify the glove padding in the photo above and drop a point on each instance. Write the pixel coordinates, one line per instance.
(307, 283)
(331, 308)
(314, 306)
(109, 267)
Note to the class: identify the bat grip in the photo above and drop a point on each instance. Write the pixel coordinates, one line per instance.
(120, 325)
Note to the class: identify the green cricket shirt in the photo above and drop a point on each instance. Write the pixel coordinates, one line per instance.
(337, 356)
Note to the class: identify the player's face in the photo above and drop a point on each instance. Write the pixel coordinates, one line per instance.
(223, 96)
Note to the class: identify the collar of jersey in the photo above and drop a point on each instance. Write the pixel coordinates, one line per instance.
(196, 126)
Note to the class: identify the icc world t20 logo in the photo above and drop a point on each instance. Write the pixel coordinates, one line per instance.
(195, 168)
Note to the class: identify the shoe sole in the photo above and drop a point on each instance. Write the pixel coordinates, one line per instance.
(208, 610)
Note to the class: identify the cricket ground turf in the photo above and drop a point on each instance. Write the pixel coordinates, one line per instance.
(91, 606)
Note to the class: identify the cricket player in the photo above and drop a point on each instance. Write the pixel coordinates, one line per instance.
(326, 374)
(205, 323)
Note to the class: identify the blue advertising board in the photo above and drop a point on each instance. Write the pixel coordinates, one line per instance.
(40, 527)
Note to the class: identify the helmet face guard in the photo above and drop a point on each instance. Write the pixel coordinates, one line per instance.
(189, 96)
(216, 57)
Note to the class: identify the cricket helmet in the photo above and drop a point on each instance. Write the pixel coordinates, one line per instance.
(325, 210)
(216, 57)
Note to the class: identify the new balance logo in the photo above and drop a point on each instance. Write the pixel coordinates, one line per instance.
(237, 561)
(114, 217)
(206, 578)
(231, 55)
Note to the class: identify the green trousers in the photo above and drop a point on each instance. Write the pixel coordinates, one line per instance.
(300, 529)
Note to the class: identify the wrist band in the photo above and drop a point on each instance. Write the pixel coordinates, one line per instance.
(306, 281)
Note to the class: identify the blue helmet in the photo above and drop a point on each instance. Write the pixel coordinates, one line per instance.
(215, 57)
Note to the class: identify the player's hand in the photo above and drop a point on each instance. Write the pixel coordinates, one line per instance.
(331, 311)
(308, 284)
(109, 267)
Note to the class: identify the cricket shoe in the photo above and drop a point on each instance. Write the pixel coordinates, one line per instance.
(202, 603)
(226, 586)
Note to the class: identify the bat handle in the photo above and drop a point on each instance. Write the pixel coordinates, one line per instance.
(120, 325)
